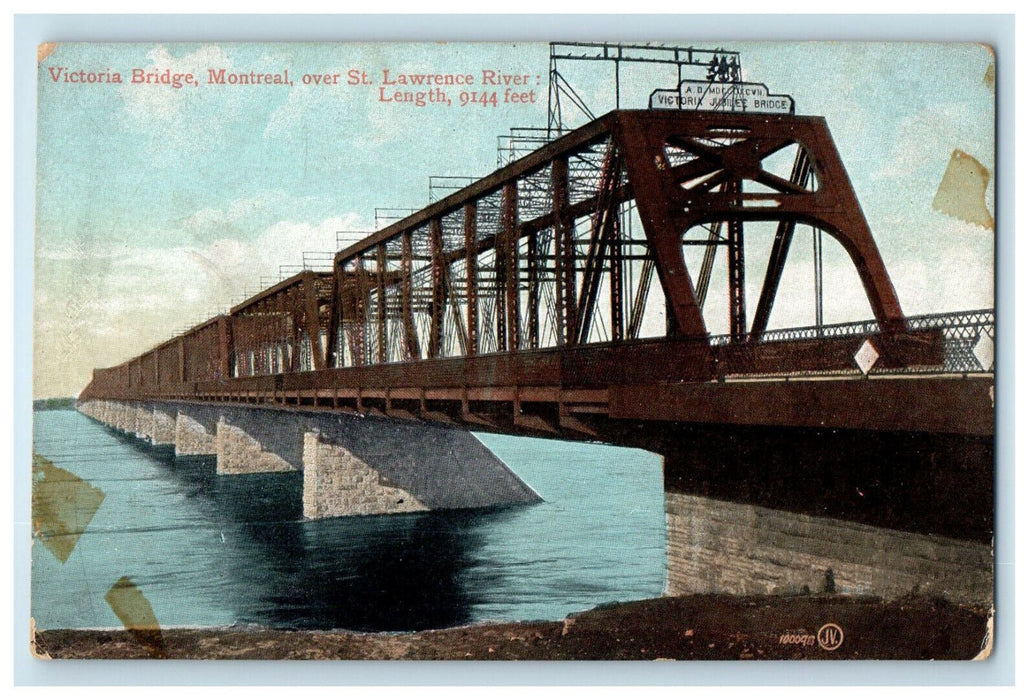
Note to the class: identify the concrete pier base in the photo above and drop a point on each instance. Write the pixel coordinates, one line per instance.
(722, 547)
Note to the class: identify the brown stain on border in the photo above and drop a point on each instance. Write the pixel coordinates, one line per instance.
(45, 49)
(63, 505)
(34, 647)
(132, 607)
(962, 192)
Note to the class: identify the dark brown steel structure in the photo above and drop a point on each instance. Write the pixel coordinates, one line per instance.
(555, 296)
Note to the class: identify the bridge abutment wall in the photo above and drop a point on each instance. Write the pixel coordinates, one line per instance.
(111, 414)
(721, 547)
(782, 511)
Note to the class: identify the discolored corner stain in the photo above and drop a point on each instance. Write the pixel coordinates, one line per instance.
(137, 616)
(62, 506)
(990, 77)
(45, 49)
(987, 643)
(34, 647)
(962, 192)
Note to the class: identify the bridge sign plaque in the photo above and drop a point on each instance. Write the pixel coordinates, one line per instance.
(422, 350)
(707, 96)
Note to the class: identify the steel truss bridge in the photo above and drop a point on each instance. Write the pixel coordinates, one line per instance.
(564, 294)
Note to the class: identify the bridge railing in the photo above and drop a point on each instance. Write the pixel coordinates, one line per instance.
(968, 339)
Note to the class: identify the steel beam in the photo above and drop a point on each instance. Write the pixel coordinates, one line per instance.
(471, 275)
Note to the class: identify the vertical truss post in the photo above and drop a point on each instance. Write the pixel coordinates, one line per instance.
(533, 303)
(564, 257)
(818, 276)
(701, 289)
(736, 277)
(615, 268)
(411, 347)
(360, 356)
(647, 270)
(183, 360)
(382, 315)
(601, 236)
(272, 334)
(226, 340)
(298, 320)
(438, 289)
(510, 207)
(331, 355)
(309, 291)
(499, 286)
(471, 274)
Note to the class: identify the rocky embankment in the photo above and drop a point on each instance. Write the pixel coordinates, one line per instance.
(683, 627)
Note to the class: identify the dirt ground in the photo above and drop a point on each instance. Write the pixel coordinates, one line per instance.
(684, 627)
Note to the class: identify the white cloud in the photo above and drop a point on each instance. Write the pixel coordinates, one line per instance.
(175, 127)
(148, 104)
(96, 309)
(286, 119)
(239, 219)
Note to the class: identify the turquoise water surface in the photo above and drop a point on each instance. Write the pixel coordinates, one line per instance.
(218, 550)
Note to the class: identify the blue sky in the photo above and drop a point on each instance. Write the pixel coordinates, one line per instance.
(155, 205)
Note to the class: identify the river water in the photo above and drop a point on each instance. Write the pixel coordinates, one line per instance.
(211, 550)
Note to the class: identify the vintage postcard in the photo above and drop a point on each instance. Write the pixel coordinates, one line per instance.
(571, 350)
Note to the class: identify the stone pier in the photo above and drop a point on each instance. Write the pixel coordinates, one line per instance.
(739, 521)
(163, 427)
(351, 464)
(238, 452)
(142, 421)
(193, 436)
(359, 466)
(125, 418)
(337, 482)
(251, 440)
